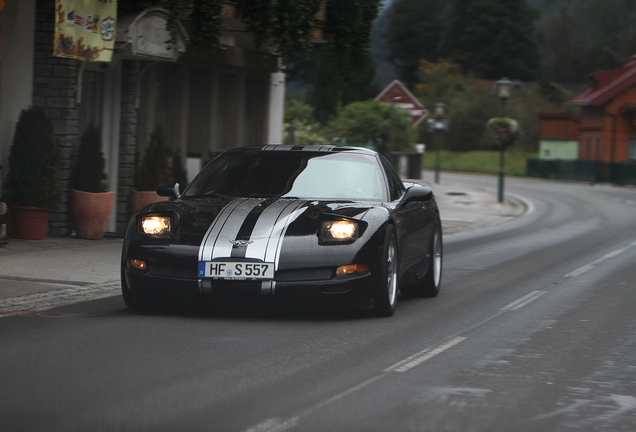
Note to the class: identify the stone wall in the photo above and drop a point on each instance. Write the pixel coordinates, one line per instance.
(55, 88)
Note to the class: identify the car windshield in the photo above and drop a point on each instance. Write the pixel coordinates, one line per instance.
(301, 174)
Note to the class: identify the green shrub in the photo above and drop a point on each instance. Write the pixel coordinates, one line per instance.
(34, 162)
(371, 121)
(90, 165)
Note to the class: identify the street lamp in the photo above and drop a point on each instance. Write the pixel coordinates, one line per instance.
(504, 87)
(439, 127)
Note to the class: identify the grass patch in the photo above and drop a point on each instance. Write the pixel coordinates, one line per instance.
(479, 161)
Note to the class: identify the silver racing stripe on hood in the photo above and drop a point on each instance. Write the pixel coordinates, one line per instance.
(266, 239)
(270, 229)
(226, 223)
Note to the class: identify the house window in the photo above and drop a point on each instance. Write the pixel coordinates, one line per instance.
(631, 155)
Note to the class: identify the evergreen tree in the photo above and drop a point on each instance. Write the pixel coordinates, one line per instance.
(563, 49)
(569, 54)
(492, 38)
(343, 70)
(413, 33)
(90, 166)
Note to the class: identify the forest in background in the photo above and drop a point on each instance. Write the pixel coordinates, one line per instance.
(571, 38)
(449, 52)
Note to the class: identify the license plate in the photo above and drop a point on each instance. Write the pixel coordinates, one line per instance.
(236, 270)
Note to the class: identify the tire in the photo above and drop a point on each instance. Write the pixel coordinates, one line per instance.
(430, 284)
(386, 284)
(127, 294)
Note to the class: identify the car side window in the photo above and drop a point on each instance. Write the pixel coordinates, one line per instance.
(396, 187)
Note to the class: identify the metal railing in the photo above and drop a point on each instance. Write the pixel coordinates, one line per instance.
(623, 173)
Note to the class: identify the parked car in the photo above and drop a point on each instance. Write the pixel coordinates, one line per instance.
(287, 221)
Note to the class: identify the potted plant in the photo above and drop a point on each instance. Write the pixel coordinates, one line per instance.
(90, 199)
(154, 170)
(502, 132)
(33, 185)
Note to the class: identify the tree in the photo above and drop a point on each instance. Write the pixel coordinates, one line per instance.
(342, 70)
(299, 115)
(371, 121)
(413, 33)
(563, 49)
(34, 162)
(608, 41)
(492, 38)
(469, 105)
(282, 27)
(90, 167)
(337, 81)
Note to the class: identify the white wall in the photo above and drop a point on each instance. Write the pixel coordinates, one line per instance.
(16, 70)
(276, 108)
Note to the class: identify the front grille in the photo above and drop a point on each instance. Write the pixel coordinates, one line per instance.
(304, 275)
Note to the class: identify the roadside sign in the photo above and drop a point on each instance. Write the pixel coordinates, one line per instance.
(403, 98)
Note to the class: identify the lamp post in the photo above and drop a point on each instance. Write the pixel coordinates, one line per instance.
(504, 87)
(439, 127)
(436, 126)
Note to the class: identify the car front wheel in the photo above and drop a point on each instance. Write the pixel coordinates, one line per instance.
(386, 283)
(430, 284)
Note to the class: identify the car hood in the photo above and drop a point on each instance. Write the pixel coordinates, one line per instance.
(229, 219)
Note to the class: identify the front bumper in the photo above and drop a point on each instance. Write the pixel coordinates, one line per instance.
(146, 284)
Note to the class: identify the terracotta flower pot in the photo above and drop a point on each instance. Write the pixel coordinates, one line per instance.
(91, 212)
(30, 223)
(141, 198)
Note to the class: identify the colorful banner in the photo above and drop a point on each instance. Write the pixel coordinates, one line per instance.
(85, 29)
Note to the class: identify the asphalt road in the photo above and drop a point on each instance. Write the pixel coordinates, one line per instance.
(534, 330)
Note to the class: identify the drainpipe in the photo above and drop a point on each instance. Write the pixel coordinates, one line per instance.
(613, 115)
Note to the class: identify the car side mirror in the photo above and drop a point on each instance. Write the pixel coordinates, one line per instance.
(417, 193)
(170, 189)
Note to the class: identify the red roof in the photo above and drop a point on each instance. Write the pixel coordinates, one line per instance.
(608, 84)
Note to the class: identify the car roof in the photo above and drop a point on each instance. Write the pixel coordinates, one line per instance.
(312, 148)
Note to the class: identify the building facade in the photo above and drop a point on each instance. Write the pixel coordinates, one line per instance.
(202, 102)
(608, 128)
(558, 136)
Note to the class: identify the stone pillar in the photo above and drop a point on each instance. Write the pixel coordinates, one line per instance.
(127, 141)
(55, 89)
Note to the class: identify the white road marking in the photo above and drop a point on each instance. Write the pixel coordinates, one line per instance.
(591, 265)
(424, 355)
(518, 304)
(579, 271)
(274, 424)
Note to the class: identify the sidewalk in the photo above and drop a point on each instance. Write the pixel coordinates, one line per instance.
(465, 209)
(41, 274)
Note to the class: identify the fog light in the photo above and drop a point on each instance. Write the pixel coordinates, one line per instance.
(352, 268)
(137, 264)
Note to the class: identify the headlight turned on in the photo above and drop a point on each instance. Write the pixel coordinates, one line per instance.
(339, 231)
(157, 226)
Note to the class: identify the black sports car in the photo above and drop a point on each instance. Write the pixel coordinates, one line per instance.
(305, 222)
